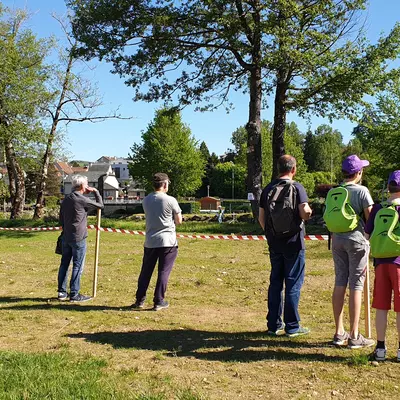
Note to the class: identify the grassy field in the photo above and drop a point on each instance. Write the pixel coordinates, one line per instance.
(210, 343)
(128, 222)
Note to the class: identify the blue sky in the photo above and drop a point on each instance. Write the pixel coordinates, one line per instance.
(88, 141)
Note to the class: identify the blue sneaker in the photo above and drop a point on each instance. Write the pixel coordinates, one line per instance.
(138, 304)
(80, 298)
(62, 296)
(300, 332)
(161, 306)
(279, 332)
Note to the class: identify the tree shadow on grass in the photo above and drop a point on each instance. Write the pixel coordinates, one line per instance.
(216, 346)
(17, 234)
(43, 303)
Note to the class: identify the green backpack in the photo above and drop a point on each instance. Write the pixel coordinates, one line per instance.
(385, 238)
(339, 215)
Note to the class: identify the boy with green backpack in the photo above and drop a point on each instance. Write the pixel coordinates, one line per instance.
(383, 231)
(347, 206)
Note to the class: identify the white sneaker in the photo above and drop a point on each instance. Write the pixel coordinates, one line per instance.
(380, 354)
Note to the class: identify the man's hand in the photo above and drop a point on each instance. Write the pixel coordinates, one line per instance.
(90, 189)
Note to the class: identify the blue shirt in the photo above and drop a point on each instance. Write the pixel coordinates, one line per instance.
(294, 243)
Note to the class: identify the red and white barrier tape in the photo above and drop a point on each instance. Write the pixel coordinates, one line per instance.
(51, 228)
(179, 235)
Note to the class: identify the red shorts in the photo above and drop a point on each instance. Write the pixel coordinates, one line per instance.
(387, 280)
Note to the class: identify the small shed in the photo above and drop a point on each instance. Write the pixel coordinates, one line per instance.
(210, 203)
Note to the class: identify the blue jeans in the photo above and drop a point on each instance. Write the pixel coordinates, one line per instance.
(288, 269)
(77, 252)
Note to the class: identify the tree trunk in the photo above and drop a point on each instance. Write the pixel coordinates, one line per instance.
(43, 176)
(253, 128)
(11, 179)
(16, 174)
(46, 158)
(278, 133)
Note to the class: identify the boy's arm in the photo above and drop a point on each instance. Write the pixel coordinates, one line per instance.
(369, 225)
(367, 212)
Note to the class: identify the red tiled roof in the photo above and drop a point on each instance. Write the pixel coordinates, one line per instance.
(64, 167)
(79, 169)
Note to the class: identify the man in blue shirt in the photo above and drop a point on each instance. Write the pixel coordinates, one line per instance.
(286, 256)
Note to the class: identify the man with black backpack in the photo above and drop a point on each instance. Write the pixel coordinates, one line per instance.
(283, 208)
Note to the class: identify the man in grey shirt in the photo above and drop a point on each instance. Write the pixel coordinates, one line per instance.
(73, 219)
(162, 214)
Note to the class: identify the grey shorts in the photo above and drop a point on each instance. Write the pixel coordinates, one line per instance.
(350, 258)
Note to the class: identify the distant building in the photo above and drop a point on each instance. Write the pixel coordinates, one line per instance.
(63, 168)
(210, 203)
(98, 174)
(120, 166)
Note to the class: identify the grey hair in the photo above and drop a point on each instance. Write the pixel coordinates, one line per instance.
(78, 181)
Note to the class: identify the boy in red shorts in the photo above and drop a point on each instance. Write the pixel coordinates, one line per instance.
(387, 276)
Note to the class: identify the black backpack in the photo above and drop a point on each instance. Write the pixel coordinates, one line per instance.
(282, 214)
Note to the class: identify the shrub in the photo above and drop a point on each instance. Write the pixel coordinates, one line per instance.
(51, 201)
(242, 206)
(323, 189)
(189, 207)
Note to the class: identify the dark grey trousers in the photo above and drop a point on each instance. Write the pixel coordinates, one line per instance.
(166, 257)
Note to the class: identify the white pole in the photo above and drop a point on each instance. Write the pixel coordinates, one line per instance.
(367, 309)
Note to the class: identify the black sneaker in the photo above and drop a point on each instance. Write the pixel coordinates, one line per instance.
(160, 306)
(138, 304)
(80, 298)
(62, 296)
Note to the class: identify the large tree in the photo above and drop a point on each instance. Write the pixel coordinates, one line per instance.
(301, 51)
(378, 136)
(168, 146)
(76, 100)
(23, 94)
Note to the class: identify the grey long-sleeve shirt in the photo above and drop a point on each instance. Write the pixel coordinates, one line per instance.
(73, 214)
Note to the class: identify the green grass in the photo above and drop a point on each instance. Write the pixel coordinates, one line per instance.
(210, 343)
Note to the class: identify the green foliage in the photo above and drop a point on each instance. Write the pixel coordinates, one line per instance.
(221, 184)
(189, 207)
(310, 53)
(266, 151)
(293, 145)
(169, 147)
(204, 151)
(4, 191)
(323, 150)
(23, 75)
(51, 201)
(378, 135)
(242, 206)
(323, 178)
(239, 141)
(224, 42)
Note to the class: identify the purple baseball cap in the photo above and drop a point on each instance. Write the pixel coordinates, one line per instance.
(395, 176)
(353, 164)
